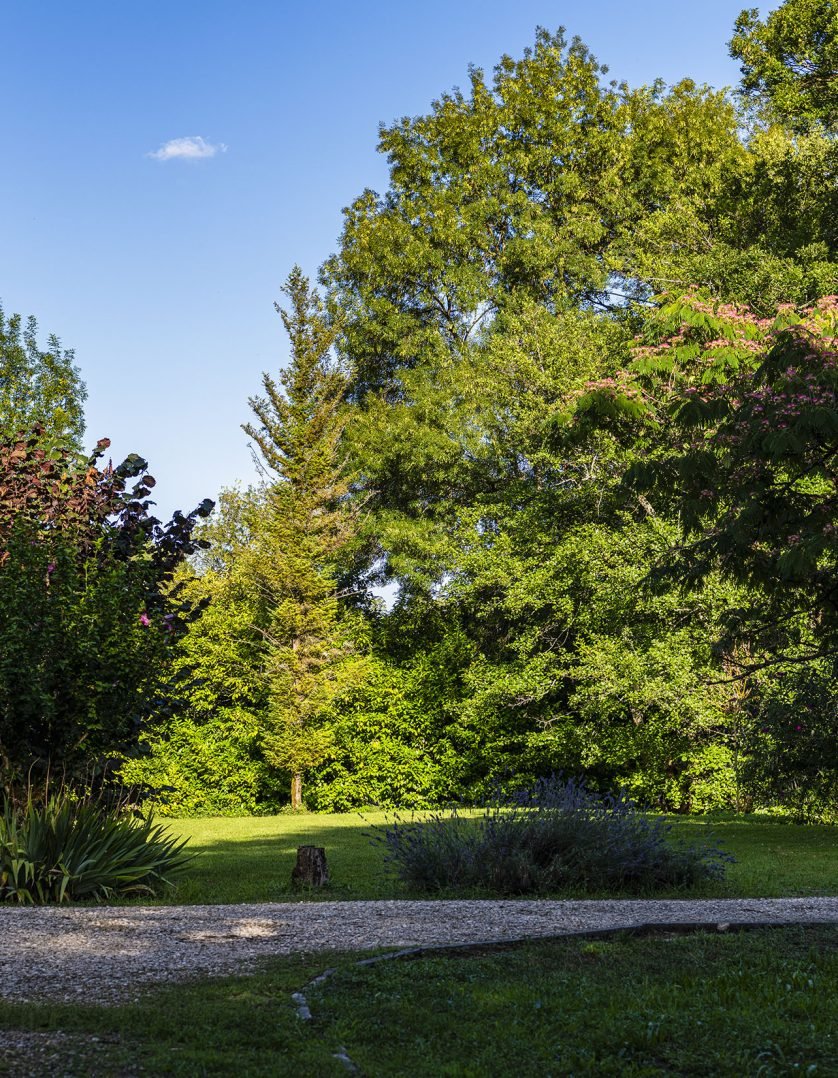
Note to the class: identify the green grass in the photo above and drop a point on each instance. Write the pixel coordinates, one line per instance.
(775, 858)
(761, 1003)
(250, 859)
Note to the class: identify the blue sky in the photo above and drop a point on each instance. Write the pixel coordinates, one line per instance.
(161, 271)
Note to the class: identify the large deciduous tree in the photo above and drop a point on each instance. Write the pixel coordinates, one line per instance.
(753, 403)
(482, 295)
(790, 61)
(39, 386)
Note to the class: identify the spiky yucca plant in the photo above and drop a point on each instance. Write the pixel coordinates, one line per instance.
(65, 849)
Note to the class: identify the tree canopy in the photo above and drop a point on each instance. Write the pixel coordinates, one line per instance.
(39, 387)
(790, 61)
(549, 477)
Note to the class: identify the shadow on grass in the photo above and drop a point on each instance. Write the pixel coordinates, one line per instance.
(761, 1002)
(258, 868)
(250, 860)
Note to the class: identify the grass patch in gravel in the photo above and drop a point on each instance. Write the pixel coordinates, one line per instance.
(762, 1002)
(250, 859)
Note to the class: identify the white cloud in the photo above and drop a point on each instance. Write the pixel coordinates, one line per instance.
(190, 148)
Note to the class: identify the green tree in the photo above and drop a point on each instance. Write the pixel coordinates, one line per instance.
(790, 61)
(484, 308)
(540, 201)
(531, 187)
(38, 386)
(478, 297)
(204, 755)
(793, 752)
(306, 523)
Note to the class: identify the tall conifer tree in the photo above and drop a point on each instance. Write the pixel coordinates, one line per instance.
(306, 523)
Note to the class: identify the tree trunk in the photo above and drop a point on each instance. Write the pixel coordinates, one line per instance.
(311, 869)
(296, 792)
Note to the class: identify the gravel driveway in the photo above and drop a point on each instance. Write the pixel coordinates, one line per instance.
(107, 954)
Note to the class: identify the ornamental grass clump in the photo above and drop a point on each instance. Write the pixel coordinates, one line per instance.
(558, 835)
(66, 849)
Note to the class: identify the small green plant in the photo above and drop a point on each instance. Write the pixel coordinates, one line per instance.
(555, 836)
(65, 848)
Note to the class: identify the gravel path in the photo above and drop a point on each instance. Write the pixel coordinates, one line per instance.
(107, 954)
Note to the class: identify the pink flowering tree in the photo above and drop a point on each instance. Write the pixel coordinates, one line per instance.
(732, 419)
(739, 417)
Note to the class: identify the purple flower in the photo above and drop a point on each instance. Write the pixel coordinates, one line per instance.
(51, 568)
(144, 619)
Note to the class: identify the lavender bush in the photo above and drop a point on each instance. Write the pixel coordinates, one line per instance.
(557, 835)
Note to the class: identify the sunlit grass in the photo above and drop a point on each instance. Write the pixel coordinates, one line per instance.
(250, 859)
(774, 857)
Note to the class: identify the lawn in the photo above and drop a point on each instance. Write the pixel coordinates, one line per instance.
(763, 1002)
(250, 859)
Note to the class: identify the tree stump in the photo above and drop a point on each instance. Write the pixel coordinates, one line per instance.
(311, 869)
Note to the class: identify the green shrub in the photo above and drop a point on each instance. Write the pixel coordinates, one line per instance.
(67, 849)
(89, 614)
(385, 745)
(792, 761)
(210, 767)
(557, 835)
